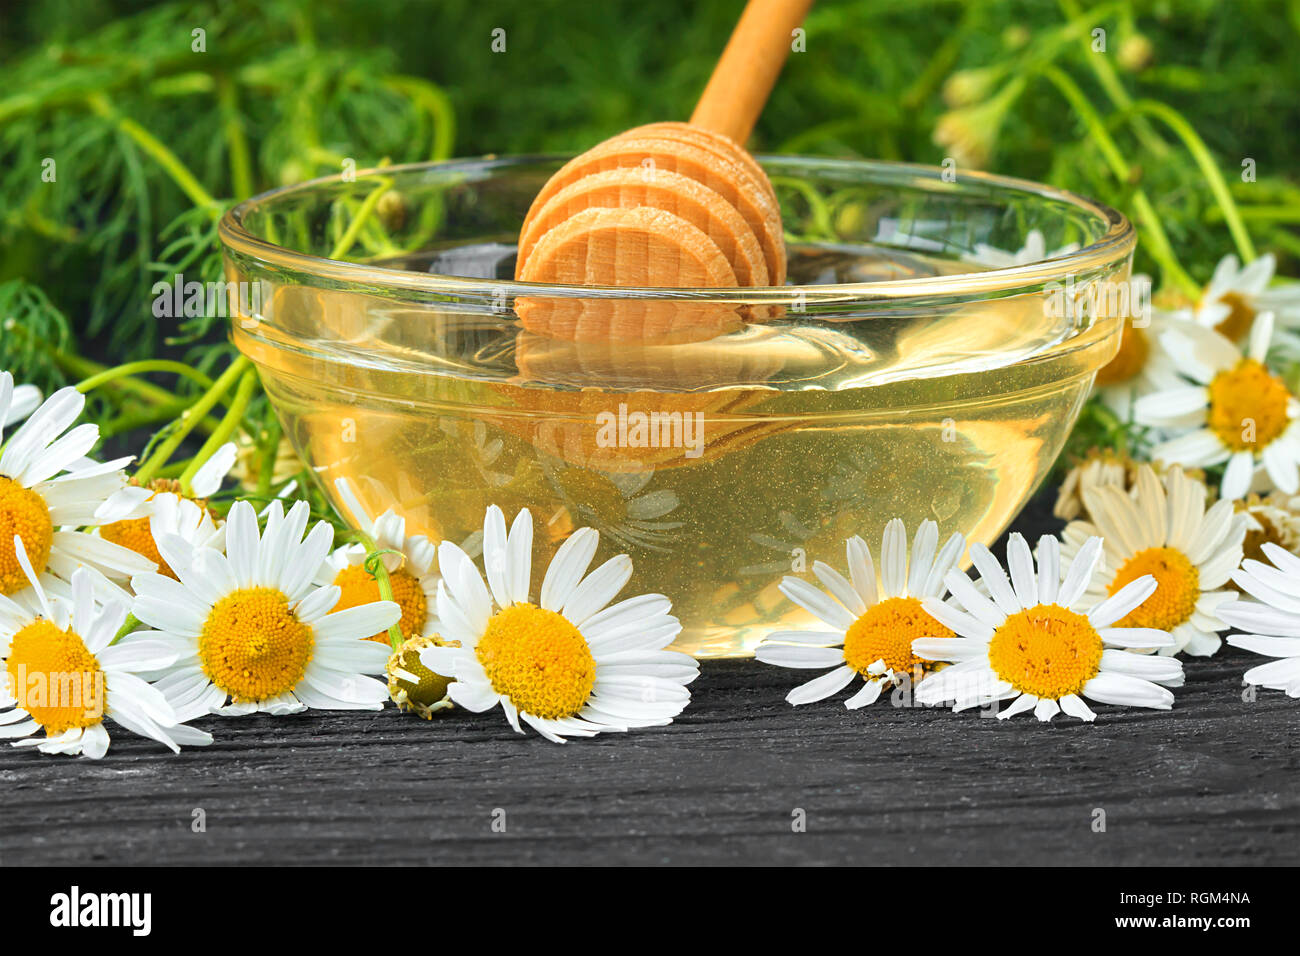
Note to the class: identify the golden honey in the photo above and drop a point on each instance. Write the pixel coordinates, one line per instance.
(886, 382)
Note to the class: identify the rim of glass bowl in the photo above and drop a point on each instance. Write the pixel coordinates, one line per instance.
(1116, 243)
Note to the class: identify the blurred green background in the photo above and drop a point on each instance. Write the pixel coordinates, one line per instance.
(151, 137)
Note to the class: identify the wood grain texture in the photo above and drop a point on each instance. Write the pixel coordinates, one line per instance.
(1215, 781)
(1212, 782)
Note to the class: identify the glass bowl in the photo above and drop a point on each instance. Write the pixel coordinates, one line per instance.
(927, 361)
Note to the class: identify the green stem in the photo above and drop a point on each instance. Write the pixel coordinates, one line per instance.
(1196, 146)
(1045, 49)
(234, 415)
(1110, 82)
(165, 405)
(140, 368)
(1157, 241)
(267, 453)
(84, 368)
(1264, 213)
(168, 160)
(349, 237)
(130, 420)
(232, 122)
(435, 103)
(195, 413)
(374, 563)
(817, 207)
(174, 469)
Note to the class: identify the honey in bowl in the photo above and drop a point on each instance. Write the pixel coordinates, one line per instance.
(893, 377)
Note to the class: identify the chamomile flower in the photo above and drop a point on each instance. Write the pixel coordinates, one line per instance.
(250, 627)
(567, 665)
(1238, 412)
(137, 515)
(1163, 529)
(872, 628)
(1235, 296)
(1271, 620)
(39, 496)
(1031, 642)
(1105, 468)
(65, 675)
(409, 561)
(1100, 468)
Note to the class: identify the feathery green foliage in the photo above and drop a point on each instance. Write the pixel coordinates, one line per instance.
(125, 134)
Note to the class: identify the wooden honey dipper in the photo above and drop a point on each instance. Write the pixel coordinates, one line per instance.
(668, 205)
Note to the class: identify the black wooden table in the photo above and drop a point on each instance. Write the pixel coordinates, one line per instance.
(1214, 781)
(741, 777)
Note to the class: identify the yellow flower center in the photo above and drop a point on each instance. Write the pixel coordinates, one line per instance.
(252, 645)
(54, 678)
(886, 632)
(1134, 349)
(1046, 650)
(1267, 533)
(358, 587)
(1178, 588)
(1239, 320)
(23, 513)
(1248, 406)
(134, 533)
(537, 659)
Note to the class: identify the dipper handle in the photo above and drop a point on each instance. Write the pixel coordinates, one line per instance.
(747, 71)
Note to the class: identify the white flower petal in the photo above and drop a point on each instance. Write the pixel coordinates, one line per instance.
(995, 579)
(893, 559)
(922, 557)
(207, 480)
(862, 572)
(567, 567)
(356, 623)
(1046, 709)
(799, 655)
(1126, 691)
(1123, 602)
(1079, 576)
(817, 603)
(1075, 707)
(869, 694)
(841, 589)
(597, 589)
(819, 688)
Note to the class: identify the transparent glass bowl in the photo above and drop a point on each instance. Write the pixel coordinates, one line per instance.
(916, 367)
